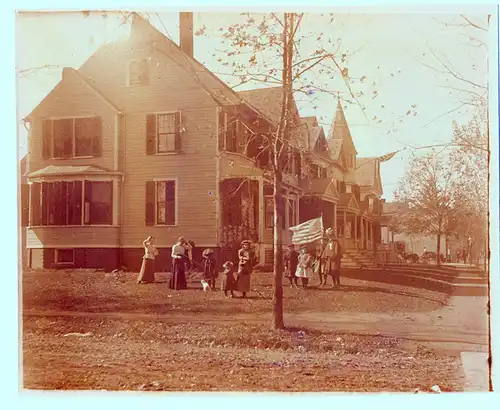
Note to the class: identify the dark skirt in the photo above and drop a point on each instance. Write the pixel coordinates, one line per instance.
(178, 279)
(147, 273)
(228, 282)
(243, 280)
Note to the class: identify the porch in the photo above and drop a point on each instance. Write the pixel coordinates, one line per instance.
(247, 212)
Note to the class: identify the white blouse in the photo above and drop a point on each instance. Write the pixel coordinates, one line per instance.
(150, 251)
(178, 251)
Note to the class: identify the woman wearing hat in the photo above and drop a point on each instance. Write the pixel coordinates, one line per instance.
(209, 272)
(147, 273)
(245, 265)
(179, 255)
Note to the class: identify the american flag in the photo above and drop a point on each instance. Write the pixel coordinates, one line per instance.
(387, 157)
(308, 231)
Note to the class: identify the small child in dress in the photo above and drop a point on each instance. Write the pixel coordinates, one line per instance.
(228, 280)
(209, 272)
(305, 266)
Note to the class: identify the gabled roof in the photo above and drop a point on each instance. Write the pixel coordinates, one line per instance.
(69, 71)
(348, 200)
(143, 31)
(61, 170)
(323, 188)
(266, 100)
(339, 136)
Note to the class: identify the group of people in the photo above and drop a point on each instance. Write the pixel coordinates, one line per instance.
(182, 257)
(326, 262)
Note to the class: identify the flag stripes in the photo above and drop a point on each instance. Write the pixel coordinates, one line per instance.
(307, 232)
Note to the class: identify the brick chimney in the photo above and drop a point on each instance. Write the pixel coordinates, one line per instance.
(186, 33)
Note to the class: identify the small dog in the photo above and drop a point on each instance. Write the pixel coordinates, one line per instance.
(206, 286)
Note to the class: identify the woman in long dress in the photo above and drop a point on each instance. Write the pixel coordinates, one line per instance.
(147, 273)
(245, 265)
(179, 256)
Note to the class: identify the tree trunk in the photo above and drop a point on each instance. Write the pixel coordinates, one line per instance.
(446, 248)
(438, 253)
(278, 322)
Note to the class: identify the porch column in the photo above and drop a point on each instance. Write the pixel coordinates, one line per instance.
(116, 202)
(345, 223)
(355, 231)
(362, 233)
(30, 204)
(335, 220)
(371, 236)
(262, 222)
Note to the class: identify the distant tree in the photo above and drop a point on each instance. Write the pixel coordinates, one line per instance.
(428, 190)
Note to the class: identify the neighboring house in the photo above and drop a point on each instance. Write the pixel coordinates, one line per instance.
(343, 188)
(155, 144)
(23, 198)
(413, 243)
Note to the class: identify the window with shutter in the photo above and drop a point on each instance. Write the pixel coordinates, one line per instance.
(165, 202)
(163, 133)
(150, 203)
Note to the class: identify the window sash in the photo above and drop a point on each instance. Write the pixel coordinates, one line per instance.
(63, 204)
(166, 132)
(165, 203)
(73, 137)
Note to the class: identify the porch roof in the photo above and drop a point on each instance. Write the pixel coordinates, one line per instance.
(63, 170)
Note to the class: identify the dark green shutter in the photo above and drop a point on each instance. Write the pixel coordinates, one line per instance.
(151, 134)
(150, 203)
(170, 194)
(178, 131)
(47, 139)
(222, 130)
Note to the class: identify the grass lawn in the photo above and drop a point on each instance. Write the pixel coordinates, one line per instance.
(147, 337)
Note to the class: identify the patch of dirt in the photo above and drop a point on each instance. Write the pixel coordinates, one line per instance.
(135, 355)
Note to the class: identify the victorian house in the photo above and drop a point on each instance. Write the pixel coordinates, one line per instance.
(155, 144)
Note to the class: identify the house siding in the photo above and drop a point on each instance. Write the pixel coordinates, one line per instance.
(67, 237)
(194, 172)
(171, 87)
(71, 98)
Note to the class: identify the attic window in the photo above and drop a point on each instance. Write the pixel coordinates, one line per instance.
(138, 73)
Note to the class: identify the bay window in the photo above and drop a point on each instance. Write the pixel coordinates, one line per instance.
(71, 203)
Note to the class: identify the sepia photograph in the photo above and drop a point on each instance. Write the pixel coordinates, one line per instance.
(233, 201)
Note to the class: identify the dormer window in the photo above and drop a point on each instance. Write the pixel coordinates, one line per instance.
(138, 73)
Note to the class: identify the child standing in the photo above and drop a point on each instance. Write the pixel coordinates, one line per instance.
(290, 260)
(228, 280)
(304, 268)
(209, 272)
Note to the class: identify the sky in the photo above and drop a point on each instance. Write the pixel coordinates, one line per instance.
(396, 52)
